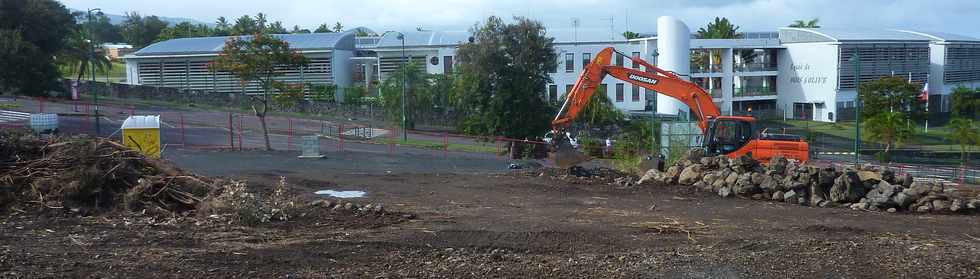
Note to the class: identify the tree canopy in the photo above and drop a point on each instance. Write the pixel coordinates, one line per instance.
(141, 31)
(259, 58)
(890, 94)
(813, 23)
(503, 73)
(32, 32)
(720, 28)
(966, 102)
(630, 35)
(426, 92)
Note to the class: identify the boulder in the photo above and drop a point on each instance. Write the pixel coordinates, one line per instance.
(826, 177)
(973, 204)
(918, 189)
(881, 195)
(710, 177)
(777, 196)
(940, 205)
(718, 184)
(904, 179)
(731, 179)
(922, 209)
(691, 174)
(778, 164)
(744, 185)
(819, 192)
(888, 175)
(743, 164)
(672, 173)
(770, 184)
(702, 185)
(956, 205)
(725, 192)
(790, 196)
(651, 176)
(892, 210)
(722, 162)
(859, 206)
(847, 188)
(757, 197)
(904, 199)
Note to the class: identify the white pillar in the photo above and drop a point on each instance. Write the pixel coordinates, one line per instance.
(674, 47)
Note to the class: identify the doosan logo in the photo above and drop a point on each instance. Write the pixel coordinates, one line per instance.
(642, 79)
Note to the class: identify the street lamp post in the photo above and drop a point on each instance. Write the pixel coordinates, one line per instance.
(95, 95)
(404, 89)
(856, 59)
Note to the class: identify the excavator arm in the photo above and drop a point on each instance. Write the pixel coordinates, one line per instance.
(656, 79)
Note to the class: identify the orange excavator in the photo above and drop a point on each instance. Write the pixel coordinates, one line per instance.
(733, 136)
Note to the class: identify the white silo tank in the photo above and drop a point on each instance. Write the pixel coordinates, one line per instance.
(674, 49)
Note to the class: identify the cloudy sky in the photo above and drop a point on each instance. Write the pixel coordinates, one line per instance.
(953, 16)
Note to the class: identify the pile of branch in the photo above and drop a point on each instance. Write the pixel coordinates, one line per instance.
(673, 226)
(91, 174)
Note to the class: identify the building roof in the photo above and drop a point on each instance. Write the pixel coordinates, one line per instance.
(423, 39)
(809, 35)
(942, 36)
(213, 45)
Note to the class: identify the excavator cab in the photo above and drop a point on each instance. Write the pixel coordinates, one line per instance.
(728, 134)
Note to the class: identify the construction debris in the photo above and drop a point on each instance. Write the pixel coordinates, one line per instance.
(865, 188)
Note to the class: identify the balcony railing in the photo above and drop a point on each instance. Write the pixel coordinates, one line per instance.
(713, 68)
(715, 93)
(754, 67)
(754, 91)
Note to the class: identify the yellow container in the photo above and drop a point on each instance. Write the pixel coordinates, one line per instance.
(142, 133)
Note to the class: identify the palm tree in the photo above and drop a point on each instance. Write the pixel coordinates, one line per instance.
(77, 55)
(721, 28)
(813, 23)
(889, 127)
(964, 133)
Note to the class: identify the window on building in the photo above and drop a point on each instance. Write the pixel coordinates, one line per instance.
(568, 89)
(619, 60)
(636, 93)
(586, 59)
(619, 92)
(569, 62)
(636, 55)
(447, 64)
(553, 93)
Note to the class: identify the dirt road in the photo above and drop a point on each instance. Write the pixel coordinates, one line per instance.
(478, 220)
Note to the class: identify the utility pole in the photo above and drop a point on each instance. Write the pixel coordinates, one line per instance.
(401, 36)
(95, 95)
(856, 59)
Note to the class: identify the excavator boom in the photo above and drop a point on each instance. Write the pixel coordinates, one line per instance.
(666, 83)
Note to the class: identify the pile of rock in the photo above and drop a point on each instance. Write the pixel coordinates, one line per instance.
(376, 209)
(864, 188)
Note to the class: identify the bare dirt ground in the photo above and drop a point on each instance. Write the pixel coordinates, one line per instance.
(470, 218)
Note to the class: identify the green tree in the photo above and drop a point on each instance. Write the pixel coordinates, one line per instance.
(297, 30)
(631, 35)
(32, 32)
(427, 93)
(141, 31)
(261, 58)
(245, 25)
(221, 27)
(890, 94)
(599, 112)
(721, 28)
(964, 133)
(813, 23)
(323, 28)
(503, 72)
(890, 127)
(338, 27)
(965, 102)
(78, 58)
(184, 30)
(276, 28)
(103, 30)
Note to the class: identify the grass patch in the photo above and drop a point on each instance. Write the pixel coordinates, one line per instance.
(434, 145)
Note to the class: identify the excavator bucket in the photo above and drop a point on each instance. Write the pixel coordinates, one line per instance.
(564, 156)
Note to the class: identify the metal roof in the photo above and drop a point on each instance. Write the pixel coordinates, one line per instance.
(423, 39)
(942, 36)
(213, 45)
(799, 35)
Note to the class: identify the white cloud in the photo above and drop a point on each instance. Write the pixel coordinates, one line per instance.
(954, 16)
